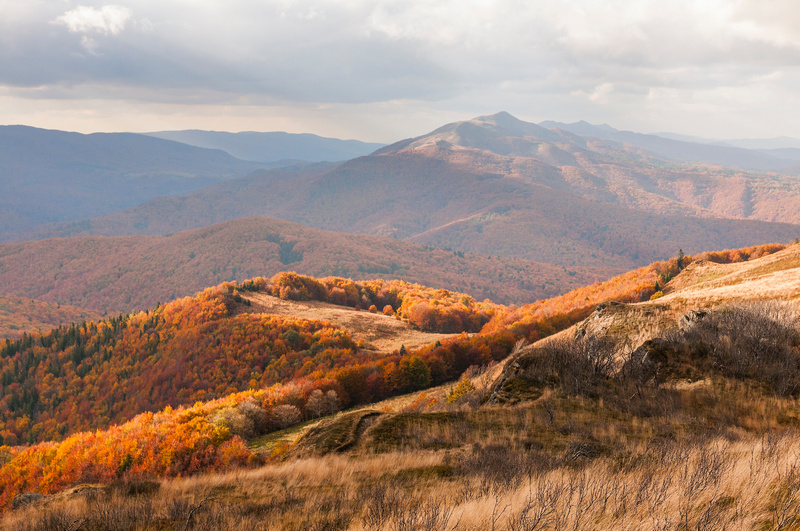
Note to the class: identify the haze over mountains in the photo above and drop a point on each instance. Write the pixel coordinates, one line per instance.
(760, 155)
(500, 186)
(50, 176)
(273, 147)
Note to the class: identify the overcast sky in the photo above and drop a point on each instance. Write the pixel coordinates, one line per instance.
(385, 70)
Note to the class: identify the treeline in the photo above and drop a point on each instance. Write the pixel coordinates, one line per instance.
(95, 374)
(91, 375)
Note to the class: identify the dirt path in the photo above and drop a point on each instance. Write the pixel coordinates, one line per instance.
(379, 332)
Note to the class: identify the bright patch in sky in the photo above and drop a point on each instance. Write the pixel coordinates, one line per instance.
(107, 20)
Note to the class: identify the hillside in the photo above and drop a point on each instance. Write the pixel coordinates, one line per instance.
(221, 341)
(20, 315)
(703, 286)
(134, 273)
(374, 331)
(495, 185)
(273, 147)
(566, 437)
(50, 176)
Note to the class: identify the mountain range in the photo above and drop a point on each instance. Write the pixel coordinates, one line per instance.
(744, 154)
(51, 176)
(499, 186)
(630, 401)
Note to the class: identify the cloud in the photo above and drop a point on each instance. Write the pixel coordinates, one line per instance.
(615, 61)
(108, 20)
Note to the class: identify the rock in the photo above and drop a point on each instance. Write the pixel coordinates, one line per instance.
(691, 318)
(654, 351)
(25, 499)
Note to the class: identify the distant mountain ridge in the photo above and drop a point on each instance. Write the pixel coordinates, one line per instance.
(273, 146)
(50, 176)
(496, 185)
(778, 142)
(769, 154)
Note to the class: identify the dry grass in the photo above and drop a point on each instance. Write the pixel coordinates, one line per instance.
(721, 455)
(740, 481)
(706, 284)
(378, 332)
(702, 285)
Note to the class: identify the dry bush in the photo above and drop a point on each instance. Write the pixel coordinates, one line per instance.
(582, 366)
(285, 415)
(757, 341)
(246, 420)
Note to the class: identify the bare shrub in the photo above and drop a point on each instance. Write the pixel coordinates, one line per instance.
(321, 403)
(381, 504)
(428, 515)
(754, 341)
(285, 415)
(580, 366)
(539, 510)
(785, 507)
(500, 468)
(316, 403)
(246, 420)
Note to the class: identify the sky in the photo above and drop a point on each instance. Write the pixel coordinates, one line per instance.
(386, 70)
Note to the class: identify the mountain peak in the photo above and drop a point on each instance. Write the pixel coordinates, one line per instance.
(500, 133)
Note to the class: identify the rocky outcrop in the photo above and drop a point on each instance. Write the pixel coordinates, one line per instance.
(691, 318)
(26, 498)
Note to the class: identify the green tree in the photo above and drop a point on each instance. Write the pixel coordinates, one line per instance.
(414, 373)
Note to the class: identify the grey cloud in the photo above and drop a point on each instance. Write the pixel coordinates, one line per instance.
(580, 54)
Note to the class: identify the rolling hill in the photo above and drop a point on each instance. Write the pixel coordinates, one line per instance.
(499, 186)
(135, 272)
(20, 315)
(93, 374)
(49, 176)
